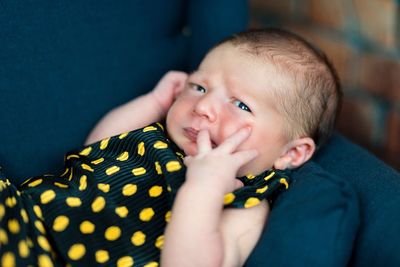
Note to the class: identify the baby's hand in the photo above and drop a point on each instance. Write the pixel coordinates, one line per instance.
(166, 90)
(216, 168)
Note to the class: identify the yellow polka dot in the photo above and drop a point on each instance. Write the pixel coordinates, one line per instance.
(112, 233)
(39, 225)
(102, 256)
(72, 156)
(86, 151)
(97, 161)
(86, 167)
(129, 189)
(139, 171)
(151, 264)
(112, 170)
(43, 243)
(60, 185)
(3, 237)
(24, 216)
(123, 135)
(83, 182)
(35, 183)
(76, 251)
(269, 176)
(168, 216)
(23, 249)
(155, 191)
(73, 201)
(141, 149)
(29, 242)
(122, 211)
(251, 202)
(160, 242)
(44, 261)
(11, 202)
(126, 261)
(2, 211)
(158, 167)
(98, 204)
(146, 214)
(160, 125)
(71, 175)
(169, 189)
(87, 227)
(65, 172)
(180, 155)
(284, 182)
(138, 238)
(104, 143)
(47, 196)
(13, 226)
(38, 211)
(124, 156)
(60, 223)
(104, 187)
(229, 198)
(149, 128)
(173, 166)
(250, 176)
(8, 259)
(160, 145)
(262, 190)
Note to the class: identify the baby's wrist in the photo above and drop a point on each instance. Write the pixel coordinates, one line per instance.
(204, 188)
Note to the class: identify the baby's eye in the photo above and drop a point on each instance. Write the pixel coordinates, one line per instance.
(241, 105)
(199, 88)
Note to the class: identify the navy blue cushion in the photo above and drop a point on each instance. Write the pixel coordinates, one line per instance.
(314, 223)
(64, 64)
(378, 189)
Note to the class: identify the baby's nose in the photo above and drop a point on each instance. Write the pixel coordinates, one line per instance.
(207, 107)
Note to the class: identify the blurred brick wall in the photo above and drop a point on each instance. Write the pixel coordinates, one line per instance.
(362, 39)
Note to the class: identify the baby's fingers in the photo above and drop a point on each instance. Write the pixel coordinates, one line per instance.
(233, 141)
(203, 142)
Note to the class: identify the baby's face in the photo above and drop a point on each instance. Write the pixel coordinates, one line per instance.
(230, 90)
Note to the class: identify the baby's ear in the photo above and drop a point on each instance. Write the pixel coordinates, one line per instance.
(295, 153)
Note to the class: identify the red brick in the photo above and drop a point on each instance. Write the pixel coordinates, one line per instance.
(282, 7)
(337, 50)
(393, 139)
(356, 121)
(328, 13)
(380, 76)
(341, 55)
(377, 19)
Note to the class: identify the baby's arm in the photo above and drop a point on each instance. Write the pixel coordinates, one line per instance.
(201, 232)
(141, 111)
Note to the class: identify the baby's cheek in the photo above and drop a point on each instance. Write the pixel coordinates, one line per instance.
(226, 130)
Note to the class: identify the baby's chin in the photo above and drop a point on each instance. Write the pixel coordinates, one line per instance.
(190, 149)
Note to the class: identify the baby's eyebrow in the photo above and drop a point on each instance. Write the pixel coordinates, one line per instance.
(193, 72)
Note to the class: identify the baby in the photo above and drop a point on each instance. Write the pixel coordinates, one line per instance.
(260, 102)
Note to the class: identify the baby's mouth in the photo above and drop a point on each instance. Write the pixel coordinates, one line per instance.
(192, 133)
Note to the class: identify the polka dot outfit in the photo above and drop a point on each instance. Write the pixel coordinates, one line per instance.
(109, 207)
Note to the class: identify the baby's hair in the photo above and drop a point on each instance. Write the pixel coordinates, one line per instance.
(312, 106)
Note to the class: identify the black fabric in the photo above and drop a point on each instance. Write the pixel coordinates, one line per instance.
(110, 205)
